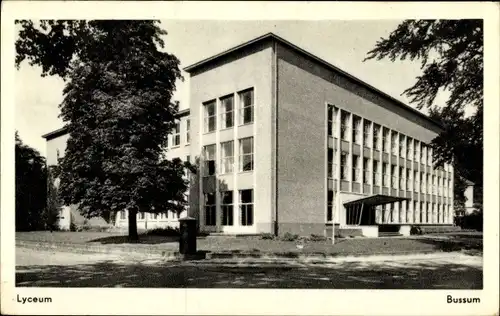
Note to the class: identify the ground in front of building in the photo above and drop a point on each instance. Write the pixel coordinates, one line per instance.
(62, 269)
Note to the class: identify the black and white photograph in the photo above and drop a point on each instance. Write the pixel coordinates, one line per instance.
(250, 154)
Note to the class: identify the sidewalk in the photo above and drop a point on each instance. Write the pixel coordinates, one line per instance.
(169, 252)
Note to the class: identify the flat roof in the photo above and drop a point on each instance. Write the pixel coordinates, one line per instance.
(279, 39)
(377, 199)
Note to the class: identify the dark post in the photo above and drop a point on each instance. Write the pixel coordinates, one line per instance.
(187, 240)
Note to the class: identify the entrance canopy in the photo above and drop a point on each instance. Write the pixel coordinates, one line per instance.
(377, 199)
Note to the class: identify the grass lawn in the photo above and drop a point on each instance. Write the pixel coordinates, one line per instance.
(356, 246)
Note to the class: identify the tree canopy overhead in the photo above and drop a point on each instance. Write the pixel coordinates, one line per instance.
(118, 110)
(451, 57)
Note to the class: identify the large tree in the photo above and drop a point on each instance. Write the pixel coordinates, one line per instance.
(118, 110)
(451, 57)
(31, 190)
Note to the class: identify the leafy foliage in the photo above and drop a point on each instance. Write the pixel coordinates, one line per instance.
(118, 111)
(31, 190)
(451, 56)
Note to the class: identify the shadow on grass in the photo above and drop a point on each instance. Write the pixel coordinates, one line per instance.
(472, 246)
(353, 275)
(143, 239)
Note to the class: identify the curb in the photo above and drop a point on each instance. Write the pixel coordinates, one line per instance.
(172, 255)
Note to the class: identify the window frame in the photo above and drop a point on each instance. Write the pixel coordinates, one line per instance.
(244, 208)
(367, 132)
(206, 161)
(224, 112)
(227, 208)
(210, 209)
(242, 107)
(356, 168)
(225, 158)
(176, 135)
(242, 154)
(207, 116)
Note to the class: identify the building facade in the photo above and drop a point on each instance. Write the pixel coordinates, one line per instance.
(286, 142)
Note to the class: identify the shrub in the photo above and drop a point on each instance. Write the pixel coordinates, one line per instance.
(315, 237)
(167, 231)
(267, 236)
(416, 230)
(290, 237)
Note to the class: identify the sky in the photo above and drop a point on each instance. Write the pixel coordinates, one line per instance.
(342, 43)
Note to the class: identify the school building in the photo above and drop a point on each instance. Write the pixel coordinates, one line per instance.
(287, 142)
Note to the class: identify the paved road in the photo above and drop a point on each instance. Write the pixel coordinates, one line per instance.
(59, 269)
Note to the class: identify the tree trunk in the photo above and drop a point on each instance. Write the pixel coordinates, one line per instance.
(132, 225)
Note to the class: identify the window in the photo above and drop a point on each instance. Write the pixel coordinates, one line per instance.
(402, 181)
(376, 172)
(227, 208)
(366, 170)
(376, 137)
(385, 174)
(428, 212)
(409, 148)
(423, 181)
(385, 140)
(367, 139)
(440, 186)
(209, 163)
(423, 153)
(356, 130)
(429, 184)
(343, 166)
(434, 185)
(188, 129)
(246, 154)
(210, 209)
(246, 207)
(123, 215)
(391, 212)
(246, 107)
(421, 213)
(344, 125)
(330, 207)
(331, 163)
(408, 211)
(210, 117)
(177, 134)
(227, 157)
(141, 215)
(416, 150)
(188, 158)
(154, 216)
(394, 143)
(429, 156)
(409, 179)
(417, 181)
(402, 142)
(330, 120)
(227, 113)
(356, 168)
(394, 176)
(415, 211)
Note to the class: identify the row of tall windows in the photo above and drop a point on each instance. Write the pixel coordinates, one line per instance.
(246, 157)
(353, 128)
(227, 111)
(246, 208)
(422, 212)
(430, 184)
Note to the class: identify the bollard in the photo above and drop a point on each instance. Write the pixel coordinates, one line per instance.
(187, 240)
